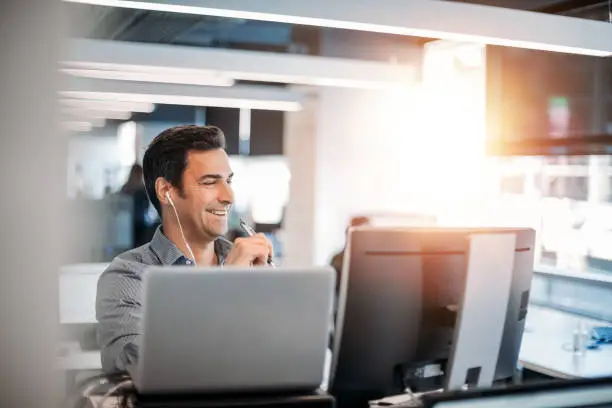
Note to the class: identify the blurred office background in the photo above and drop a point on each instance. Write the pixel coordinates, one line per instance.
(324, 125)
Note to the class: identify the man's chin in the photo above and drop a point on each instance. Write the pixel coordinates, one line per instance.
(216, 232)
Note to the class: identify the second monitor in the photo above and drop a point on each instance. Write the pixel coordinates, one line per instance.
(400, 295)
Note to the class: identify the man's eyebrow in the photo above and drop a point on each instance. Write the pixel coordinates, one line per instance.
(214, 176)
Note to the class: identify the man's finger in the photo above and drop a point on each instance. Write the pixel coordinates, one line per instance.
(261, 255)
(267, 242)
(270, 250)
(256, 249)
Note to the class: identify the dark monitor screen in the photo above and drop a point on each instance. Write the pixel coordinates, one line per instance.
(545, 103)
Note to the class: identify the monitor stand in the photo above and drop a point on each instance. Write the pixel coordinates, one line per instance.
(482, 313)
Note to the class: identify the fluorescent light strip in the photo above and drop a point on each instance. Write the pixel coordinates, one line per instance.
(163, 77)
(320, 81)
(96, 122)
(245, 75)
(110, 106)
(77, 126)
(97, 114)
(162, 70)
(333, 23)
(289, 106)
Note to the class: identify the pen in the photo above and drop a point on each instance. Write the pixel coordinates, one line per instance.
(250, 231)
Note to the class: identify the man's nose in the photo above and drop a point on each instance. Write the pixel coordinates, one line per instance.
(226, 194)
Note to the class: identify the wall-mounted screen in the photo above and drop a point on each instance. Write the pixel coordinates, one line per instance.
(545, 103)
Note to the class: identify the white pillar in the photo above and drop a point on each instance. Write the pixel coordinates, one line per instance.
(299, 220)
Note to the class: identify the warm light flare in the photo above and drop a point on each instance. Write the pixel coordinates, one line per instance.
(443, 147)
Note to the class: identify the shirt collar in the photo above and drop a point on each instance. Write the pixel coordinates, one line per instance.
(165, 249)
(169, 254)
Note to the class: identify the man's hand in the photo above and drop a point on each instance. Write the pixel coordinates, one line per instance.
(250, 251)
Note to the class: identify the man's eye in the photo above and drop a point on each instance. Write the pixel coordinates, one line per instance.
(208, 183)
(229, 181)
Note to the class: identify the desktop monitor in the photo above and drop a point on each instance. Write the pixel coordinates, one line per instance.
(400, 296)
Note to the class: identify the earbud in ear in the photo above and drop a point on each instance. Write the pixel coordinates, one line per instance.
(169, 199)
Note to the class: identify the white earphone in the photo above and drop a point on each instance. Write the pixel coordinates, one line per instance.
(181, 228)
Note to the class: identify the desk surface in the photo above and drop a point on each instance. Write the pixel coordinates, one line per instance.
(72, 357)
(547, 335)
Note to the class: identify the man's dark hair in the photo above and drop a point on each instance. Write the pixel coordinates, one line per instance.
(166, 156)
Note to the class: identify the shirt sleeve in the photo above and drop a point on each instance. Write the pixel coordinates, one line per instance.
(119, 314)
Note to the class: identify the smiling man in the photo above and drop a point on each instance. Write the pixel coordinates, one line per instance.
(188, 179)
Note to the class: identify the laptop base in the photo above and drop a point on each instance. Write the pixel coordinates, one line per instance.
(313, 400)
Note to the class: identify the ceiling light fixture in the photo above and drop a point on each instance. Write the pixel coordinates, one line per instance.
(421, 18)
(108, 106)
(244, 96)
(259, 66)
(97, 114)
(289, 106)
(166, 76)
(77, 126)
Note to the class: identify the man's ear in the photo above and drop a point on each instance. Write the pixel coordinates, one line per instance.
(163, 188)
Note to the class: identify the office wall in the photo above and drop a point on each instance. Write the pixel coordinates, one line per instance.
(360, 137)
(228, 120)
(148, 131)
(266, 132)
(96, 153)
(266, 127)
(346, 152)
(347, 155)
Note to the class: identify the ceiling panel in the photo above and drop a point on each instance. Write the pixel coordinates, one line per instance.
(175, 28)
(514, 4)
(588, 9)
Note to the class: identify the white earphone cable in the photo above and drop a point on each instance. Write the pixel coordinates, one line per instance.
(181, 230)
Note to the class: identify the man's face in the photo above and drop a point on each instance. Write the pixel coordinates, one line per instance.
(207, 194)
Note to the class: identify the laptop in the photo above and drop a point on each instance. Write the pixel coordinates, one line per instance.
(234, 330)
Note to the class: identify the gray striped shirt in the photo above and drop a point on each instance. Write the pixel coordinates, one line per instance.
(119, 297)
